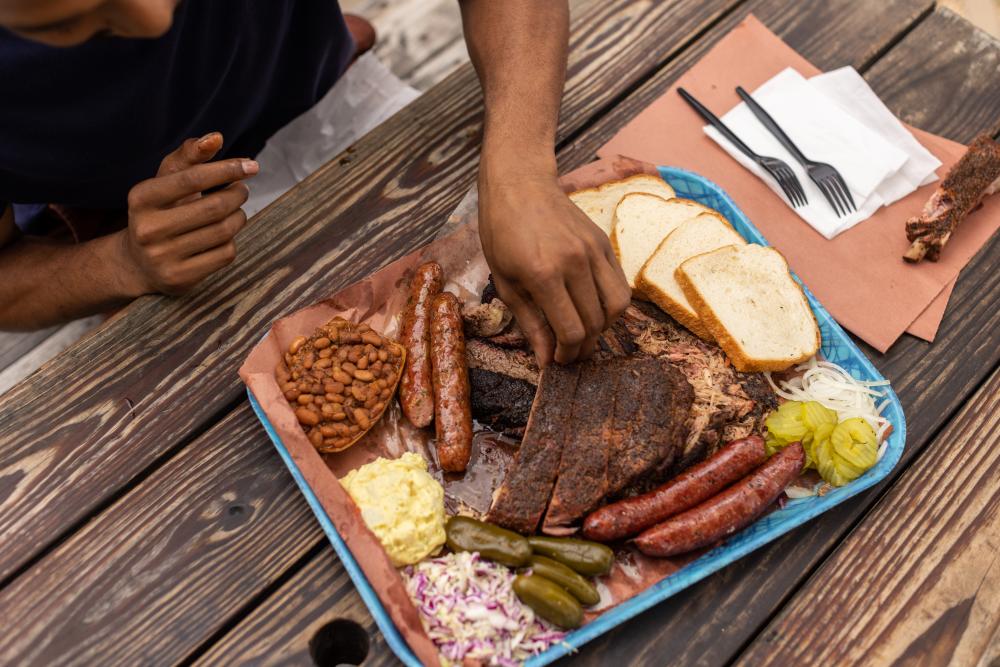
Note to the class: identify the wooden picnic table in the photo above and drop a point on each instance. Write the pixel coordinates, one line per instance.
(145, 518)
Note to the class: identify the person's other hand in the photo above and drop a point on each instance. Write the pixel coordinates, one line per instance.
(552, 266)
(182, 222)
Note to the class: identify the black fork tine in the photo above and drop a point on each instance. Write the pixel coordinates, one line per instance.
(796, 194)
(779, 175)
(781, 182)
(796, 186)
(793, 185)
(829, 197)
(845, 190)
(835, 185)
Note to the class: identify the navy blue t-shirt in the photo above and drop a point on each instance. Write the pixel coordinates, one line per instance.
(80, 126)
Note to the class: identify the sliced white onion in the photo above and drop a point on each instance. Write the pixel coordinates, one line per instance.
(834, 388)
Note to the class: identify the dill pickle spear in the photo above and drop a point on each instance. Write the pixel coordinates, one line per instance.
(555, 571)
(587, 558)
(549, 600)
(492, 542)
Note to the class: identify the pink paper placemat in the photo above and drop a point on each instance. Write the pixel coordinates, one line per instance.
(859, 276)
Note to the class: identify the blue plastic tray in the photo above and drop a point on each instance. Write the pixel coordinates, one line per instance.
(837, 347)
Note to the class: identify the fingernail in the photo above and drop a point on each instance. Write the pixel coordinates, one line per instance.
(203, 142)
(250, 167)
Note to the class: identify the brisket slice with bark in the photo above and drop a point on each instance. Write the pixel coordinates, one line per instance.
(652, 406)
(583, 467)
(975, 176)
(595, 428)
(522, 498)
(727, 404)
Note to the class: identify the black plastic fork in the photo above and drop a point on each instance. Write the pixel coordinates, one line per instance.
(826, 178)
(778, 170)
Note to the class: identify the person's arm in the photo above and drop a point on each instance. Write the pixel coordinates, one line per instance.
(175, 237)
(552, 266)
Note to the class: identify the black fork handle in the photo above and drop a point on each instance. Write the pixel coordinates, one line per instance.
(718, 124)
(773, 128)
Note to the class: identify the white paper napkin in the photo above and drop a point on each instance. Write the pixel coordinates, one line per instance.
(839, 121)
(846, 87)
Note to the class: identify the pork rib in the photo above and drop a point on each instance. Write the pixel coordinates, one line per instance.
(975, 176)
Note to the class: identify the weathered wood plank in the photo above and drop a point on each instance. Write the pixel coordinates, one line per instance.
(918, 581)
(101, 413)
(27, 352)
(280, 631)
(14, 345)
(421, 40)
(165, 567)
(417, 39)
(936, 79)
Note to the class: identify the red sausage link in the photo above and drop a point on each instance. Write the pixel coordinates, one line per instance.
(416, 390)
(696, 484)
(452, 408)
(726, 513)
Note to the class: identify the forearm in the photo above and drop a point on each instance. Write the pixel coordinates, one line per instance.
(518, 48)
(45, 283)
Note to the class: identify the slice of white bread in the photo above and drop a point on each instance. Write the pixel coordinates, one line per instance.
(656, 281)
(748, 301)
(599, 203)
(641, 221)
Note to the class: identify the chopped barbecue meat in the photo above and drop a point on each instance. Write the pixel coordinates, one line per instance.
(512, 336)
(499, 401)
(524, 494)
(486, 319)
(518, 364)
(975, 176)
(617, 341)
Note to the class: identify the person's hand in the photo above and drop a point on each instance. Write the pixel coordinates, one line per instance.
(552, 266)
(179, 232)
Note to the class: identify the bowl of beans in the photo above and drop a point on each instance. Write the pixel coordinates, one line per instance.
(339, 381)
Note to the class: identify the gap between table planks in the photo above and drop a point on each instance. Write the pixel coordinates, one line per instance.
(723, 623)
(75, 435)
(918, 581)
(225, 425)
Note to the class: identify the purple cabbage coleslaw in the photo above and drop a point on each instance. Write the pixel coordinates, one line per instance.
(469, 610)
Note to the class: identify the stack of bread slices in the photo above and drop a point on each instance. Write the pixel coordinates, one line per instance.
(688, 260)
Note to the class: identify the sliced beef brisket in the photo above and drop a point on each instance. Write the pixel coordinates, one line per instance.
(582, 480)
(522, 498)
(652, 405)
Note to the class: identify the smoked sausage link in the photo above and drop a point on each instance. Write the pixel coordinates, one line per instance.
(416, 390)
(696, 484)
(726, 513)
(452, 407)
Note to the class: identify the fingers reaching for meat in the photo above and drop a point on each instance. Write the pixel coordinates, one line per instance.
(416, 391)
(727, 512)
(452, 408)
(699, 483)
